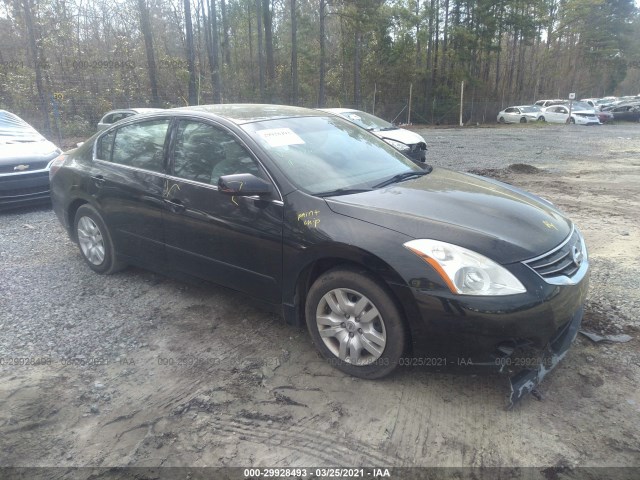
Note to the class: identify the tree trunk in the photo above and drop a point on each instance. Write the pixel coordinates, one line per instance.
(321, 86)
(357, 93)
(260, 52)
(226, 47)
(268, 40)
(294, 54)
(216, 82)
(145, 26)
(193, 96)
(42, 96)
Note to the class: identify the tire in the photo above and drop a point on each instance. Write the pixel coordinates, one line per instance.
(572, 121)
(364, 334)
(523, 120)
(501, 120)
(94, 241)
(541, 119)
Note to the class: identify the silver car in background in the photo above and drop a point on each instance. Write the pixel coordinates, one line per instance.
(114, 116)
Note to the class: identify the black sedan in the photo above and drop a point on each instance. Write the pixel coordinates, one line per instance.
(387, 263)
(629, 112)
(25, 156)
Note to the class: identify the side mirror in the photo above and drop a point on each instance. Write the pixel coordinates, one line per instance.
(245, 184)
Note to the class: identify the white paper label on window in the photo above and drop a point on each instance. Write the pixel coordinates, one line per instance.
(280, 137)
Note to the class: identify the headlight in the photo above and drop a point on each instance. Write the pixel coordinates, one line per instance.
(398, 145)
(464, 271)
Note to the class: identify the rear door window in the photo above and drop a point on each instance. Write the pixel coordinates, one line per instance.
(140, 145)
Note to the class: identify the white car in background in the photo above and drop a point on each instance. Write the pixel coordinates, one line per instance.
(519, 114)
(407, 142)
(560, 114)
(114, 116)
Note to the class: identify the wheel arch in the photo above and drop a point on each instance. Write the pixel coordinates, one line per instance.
(71, 215)
(354, 258)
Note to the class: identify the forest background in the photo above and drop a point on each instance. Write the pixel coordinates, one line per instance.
(64, 63)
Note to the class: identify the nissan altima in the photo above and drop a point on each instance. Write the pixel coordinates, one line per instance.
(387, 263)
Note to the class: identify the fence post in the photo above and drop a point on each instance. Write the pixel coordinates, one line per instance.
(461, 101)
(409, 112)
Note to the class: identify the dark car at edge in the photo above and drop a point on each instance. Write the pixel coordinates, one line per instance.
(25, 156)
(384, 261)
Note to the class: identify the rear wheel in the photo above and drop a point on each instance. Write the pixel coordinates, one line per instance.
(541, 119)
(94, 241)
(572, 121)
(355, 323)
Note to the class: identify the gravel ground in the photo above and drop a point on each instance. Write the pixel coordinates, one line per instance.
(144, 370)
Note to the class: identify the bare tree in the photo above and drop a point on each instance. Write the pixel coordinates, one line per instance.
(145, 26)
(193, 97)
(294, 54)
(35, 56)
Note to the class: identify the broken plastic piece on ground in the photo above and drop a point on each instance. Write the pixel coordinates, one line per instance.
(594, 337)
(526, 381)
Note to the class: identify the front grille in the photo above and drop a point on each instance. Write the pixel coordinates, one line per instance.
(564, 261)
(32, 167)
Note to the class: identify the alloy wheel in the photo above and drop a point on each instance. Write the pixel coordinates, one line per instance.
(351, 326)
(91, 241)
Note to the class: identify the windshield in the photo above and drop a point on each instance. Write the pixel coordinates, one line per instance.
(323, 154)
(581, 106)
(366, 120)
(14, 129)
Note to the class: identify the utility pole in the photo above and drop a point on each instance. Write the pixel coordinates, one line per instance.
(409, 112)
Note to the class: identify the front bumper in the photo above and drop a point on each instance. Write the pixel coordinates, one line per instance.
(528, 332)
(526, 380)
(18, 190)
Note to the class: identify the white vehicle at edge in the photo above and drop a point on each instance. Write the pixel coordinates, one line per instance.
(519, 114)
(407, 142)
(560, 114)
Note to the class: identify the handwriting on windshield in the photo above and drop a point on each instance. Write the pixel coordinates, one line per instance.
(309, 219)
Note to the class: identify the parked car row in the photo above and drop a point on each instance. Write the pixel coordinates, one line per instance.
(588, 111)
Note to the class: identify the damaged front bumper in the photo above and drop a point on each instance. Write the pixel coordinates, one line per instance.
(526, 380)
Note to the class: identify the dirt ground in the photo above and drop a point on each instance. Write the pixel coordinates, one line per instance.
(205, 378)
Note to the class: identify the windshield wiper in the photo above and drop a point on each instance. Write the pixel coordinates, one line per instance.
(402, 176)
(343, 191)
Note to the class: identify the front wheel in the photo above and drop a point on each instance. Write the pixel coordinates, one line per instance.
(94, 241)
(523, 120)
(355, 324)
(572, 121)
(501, 120)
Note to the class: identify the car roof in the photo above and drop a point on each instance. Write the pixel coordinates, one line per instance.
(338, 110)
(241, 113)
(134, 110)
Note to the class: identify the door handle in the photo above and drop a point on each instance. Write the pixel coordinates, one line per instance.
(98, 180)
(175, 205)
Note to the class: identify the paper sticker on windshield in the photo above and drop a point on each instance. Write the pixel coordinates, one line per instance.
(280, 137)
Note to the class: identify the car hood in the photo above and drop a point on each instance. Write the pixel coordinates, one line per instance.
(492, 218)
(14, 151)
(399, 135)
